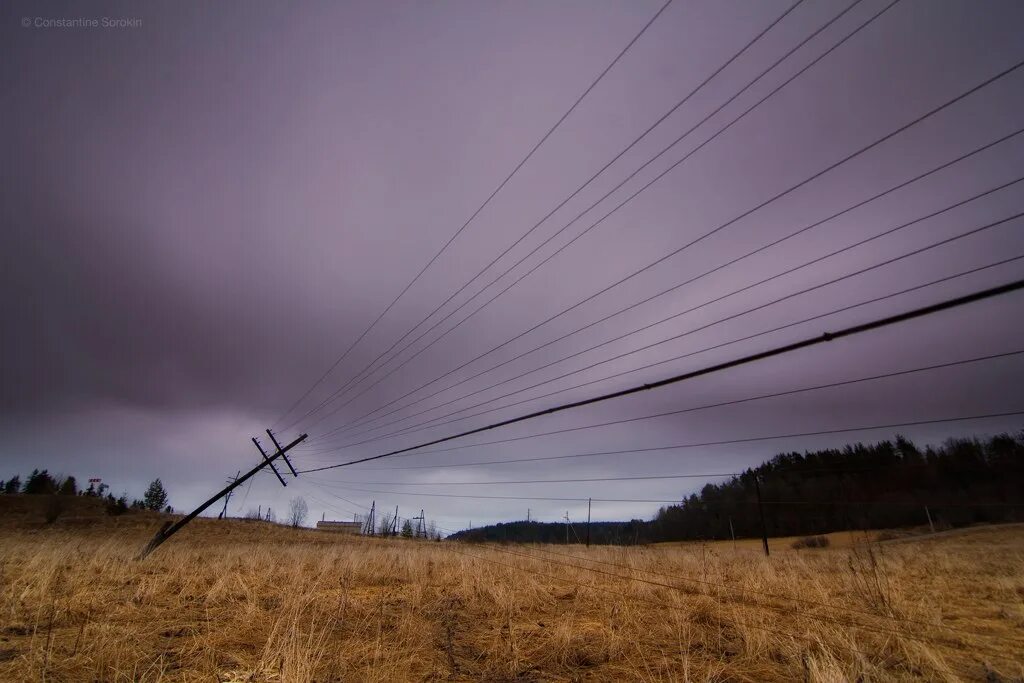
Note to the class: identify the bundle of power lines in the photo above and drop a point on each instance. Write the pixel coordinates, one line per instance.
(341, 415)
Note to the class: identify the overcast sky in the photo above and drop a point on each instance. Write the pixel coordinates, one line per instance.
(202, 209)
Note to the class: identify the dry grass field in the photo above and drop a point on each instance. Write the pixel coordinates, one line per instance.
(236, 601)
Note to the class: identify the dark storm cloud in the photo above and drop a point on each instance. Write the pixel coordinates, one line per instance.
(201, 212)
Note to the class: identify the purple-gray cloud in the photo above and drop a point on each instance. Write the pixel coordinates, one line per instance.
(202, 211)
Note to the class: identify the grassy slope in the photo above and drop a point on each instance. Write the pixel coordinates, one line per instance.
(248, 601)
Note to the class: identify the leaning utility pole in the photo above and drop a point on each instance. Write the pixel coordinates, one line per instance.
(169, 529)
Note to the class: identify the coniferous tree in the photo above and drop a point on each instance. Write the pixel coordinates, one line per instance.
(155, 497)
(69, 487)
(39, 483)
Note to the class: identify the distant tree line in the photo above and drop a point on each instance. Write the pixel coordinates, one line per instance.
(882, 485)
(42, 483)
(601, 533)
(387, 526)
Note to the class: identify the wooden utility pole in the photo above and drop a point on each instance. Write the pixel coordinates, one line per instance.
(760, 509)
(227, 496)
(421, 525)
(928, 514)
(370, 521)
(394, 523)
(567, 527)
(588, 522)
(169, 529)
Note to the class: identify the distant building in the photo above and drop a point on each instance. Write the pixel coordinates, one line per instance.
(341, 527)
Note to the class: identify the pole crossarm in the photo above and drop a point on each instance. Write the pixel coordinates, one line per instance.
(283, 456)
(268, 460)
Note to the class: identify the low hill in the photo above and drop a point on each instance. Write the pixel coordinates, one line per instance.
(32, 511)
(888, 484)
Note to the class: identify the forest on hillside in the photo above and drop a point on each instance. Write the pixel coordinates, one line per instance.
(891, 483)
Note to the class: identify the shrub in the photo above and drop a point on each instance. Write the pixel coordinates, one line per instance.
(54, 508)
(810, 542)
(117, 506)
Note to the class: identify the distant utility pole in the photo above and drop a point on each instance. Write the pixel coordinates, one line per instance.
(421, 525)
(169, 529)
(928, 514)
(527, 515)
(394, 523)
(760, 509)
(567, 527)
(227, 496)
(368, 530)
(588, 522)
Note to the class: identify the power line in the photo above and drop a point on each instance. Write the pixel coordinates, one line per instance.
(751, 439)
(688, 475)
(653, 449)
(702, 237)
(776, 608)
(692, 309)
(722, 589)
(331, 507)
(750, 211)
(350, 502)
(478, 210)
(779, 350)
(654, 603)
(620, 205)
(544, 481)
(736, 589)
(359, 376)
(440, 420)
(750, 591)
(699, 351)
(663, 292)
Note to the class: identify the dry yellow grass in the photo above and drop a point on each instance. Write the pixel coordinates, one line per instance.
(231, 601)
